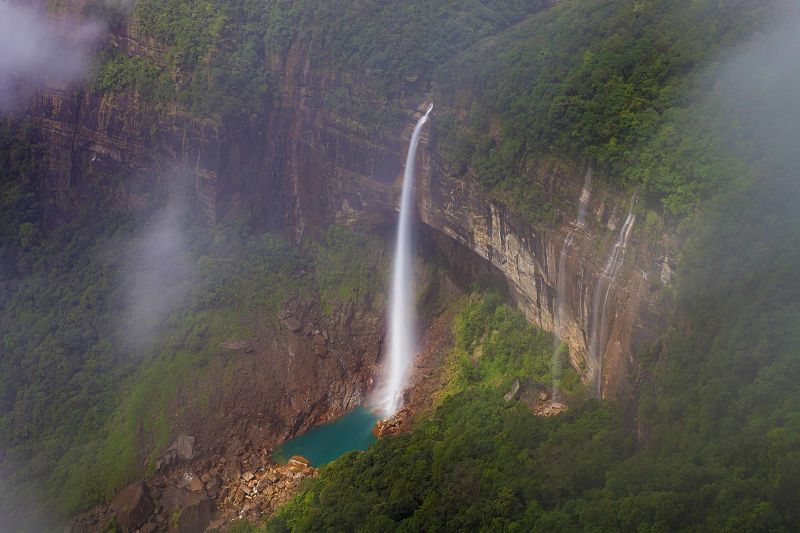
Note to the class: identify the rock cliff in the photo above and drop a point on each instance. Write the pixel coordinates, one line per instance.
(298, 167)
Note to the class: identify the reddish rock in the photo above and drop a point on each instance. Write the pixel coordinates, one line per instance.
(132, 506)
(196, 484)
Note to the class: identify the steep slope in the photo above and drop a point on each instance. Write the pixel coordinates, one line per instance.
(283, 115)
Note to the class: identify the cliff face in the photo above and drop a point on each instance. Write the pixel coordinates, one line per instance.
(298, 167)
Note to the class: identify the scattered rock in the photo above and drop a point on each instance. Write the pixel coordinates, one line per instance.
(394, 425)
(292, 324)
(298, 463)
(549, 409)
(247, 476)
(132, 506)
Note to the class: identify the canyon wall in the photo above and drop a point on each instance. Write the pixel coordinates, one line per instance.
(298, 167)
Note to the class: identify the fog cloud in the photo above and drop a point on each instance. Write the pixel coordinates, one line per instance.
(159, 277)
(35, 50)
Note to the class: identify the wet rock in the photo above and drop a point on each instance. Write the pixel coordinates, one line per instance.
(132, 506)
(394, 425)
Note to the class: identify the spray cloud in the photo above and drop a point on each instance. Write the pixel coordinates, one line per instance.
(35, 50)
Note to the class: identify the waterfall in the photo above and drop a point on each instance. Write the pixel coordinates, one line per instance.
(561, 287)
(597, 336)
(401, 301)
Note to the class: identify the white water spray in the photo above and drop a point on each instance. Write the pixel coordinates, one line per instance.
(561, 290)
(597, 337)
(402, 333)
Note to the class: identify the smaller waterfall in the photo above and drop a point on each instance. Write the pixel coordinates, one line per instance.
(561, 280)
(597, 336)
(401, 333)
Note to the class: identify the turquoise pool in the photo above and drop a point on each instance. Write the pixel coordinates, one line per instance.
(323, 444)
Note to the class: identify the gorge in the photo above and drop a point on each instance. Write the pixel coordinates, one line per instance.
(550, 269)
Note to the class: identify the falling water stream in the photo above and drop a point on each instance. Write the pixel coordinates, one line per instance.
(401, 300)
(597, 336)
(561, 292)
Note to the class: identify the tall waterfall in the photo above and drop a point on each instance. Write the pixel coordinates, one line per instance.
(561, 292)
(402, 333)
(597, 336)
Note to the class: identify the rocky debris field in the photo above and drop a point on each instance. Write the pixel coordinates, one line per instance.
(193, 494)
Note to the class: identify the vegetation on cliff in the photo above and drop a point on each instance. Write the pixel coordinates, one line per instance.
(719, 435)
(630, 86)
(620, 84)
(85, 383)
(717, 429)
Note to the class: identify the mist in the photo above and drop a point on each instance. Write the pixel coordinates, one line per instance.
(758, 92)
(159, 277)
(35, 50)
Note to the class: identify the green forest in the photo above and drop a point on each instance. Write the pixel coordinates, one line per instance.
(691, 102)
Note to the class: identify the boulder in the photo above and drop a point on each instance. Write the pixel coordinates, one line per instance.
(183, 447)
(132, 506)
(292, 324)
(298, 463)
(196, 485)
(189, 512)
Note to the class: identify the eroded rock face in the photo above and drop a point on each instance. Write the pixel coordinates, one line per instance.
(631, 314)
(298, 167)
